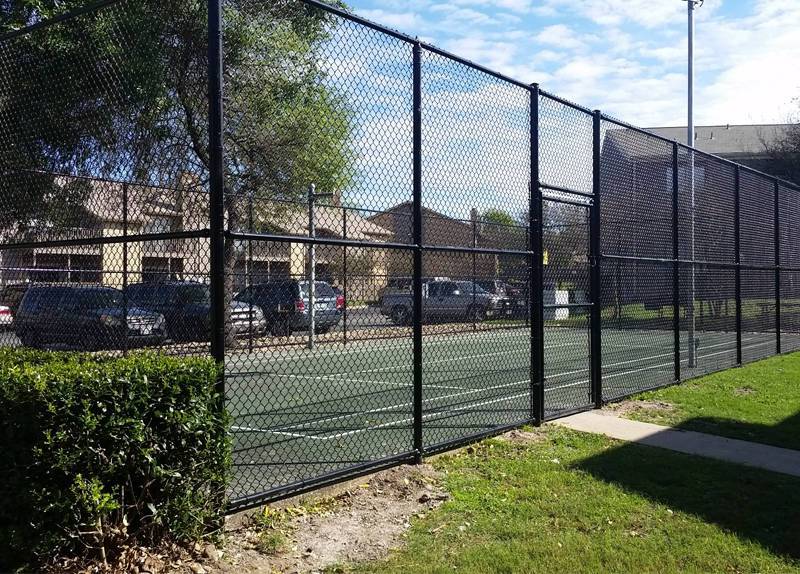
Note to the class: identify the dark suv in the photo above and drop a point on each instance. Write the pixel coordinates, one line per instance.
(88, 317)
(516, 294)
(286, 306)
(186, 306)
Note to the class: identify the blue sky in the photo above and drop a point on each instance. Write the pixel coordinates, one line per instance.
(626, 57)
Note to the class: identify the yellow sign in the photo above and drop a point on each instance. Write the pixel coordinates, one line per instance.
(545, 257)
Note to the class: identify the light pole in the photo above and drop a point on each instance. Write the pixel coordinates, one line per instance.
(692, 5)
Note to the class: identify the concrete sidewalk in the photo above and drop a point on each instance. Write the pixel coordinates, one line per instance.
(772, 458)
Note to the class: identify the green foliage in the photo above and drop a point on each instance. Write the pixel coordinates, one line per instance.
(102, 451)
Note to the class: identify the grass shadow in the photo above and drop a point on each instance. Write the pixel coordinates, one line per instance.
(753, 504)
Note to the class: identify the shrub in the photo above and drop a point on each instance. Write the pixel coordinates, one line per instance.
(98, 452)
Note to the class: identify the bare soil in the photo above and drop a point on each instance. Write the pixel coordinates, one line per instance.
(362, 523)
(625, 408)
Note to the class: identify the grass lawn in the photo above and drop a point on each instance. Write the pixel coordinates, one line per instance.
(573, 502)
(759, 402)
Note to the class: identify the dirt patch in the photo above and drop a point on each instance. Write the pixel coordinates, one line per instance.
(523, 436)
(744, 391)
(625, 408)
(362, 523)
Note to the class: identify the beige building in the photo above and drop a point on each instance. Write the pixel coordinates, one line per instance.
(153, 210)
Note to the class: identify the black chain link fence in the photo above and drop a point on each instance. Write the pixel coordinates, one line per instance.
(393, 250)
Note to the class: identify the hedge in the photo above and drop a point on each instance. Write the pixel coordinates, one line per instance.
(101, 452)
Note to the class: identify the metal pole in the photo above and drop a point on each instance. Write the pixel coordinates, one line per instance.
(737, 255)
(249, 273)
(777, 269)
(594, 248)
(474, 218)
(217, 187)
(125, 342)
(344, 272)
(535, 276)
(676, 269)
(417, 239)
(312, 266)
(690, 311)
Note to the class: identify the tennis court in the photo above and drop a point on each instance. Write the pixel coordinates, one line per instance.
(299, 413)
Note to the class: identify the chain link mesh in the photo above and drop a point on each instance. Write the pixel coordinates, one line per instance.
(105, 155)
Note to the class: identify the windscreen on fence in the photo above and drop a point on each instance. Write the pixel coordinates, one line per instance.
(410, 251)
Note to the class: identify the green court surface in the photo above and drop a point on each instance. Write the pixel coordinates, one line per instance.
(300, 413)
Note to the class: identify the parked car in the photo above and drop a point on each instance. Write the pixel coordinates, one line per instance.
(11, 295)
(87, 317)
(516, 294)
(286, 305)
(6, 318)
(186, 306)
(460, 300)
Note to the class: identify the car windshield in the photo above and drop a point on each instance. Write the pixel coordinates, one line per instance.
(321, 289)
(100, 298)
(466, 287)
(195, 294)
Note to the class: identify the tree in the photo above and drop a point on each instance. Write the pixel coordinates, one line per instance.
(784, 152)
(122, 92)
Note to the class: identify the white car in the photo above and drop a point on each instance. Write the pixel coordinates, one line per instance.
(6, 318)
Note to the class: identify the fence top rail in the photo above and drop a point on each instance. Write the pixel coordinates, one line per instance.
(69, 15)
(566, 102)
(642, 131)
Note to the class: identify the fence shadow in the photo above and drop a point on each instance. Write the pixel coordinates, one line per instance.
(756, 505)
(785, 434)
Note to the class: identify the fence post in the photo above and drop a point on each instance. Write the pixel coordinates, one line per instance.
(738, 260)
(594, 256)
(777, 269)
(535, 276)
(417, 237)
(125, 303)
(676, 268)
(344, 278)
(217, 187)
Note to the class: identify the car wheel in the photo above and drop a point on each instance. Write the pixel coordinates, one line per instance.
(29, 339)
(476, 314)
(400, 315)
(281, 328)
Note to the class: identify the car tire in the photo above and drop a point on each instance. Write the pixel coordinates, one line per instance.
(476, 314)
(281, 328)
(400, 315)
(29, 339)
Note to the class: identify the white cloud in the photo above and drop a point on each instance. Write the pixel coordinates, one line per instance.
(560, 36)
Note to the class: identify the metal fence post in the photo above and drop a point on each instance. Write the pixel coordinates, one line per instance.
(536, 279)
(777, 268)
(738, 260)
(594, 249)
(344, 278)
(217, 189)
(676, 268)
(125, 303)
(417, 238)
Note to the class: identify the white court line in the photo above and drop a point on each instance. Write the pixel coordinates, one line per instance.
(348, 380)
(650, 367)
(380, 344)
(284, 430)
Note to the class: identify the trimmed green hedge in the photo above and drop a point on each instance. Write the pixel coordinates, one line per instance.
(98, 452)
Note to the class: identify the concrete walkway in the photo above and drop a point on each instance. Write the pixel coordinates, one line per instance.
(772, 458)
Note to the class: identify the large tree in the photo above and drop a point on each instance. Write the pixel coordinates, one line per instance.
(121, 92)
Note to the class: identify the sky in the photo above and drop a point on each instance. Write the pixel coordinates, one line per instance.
(625, 57)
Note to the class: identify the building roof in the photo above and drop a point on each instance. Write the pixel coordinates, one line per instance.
(727, 140)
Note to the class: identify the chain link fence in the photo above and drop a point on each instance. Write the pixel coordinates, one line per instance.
(394, 251)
